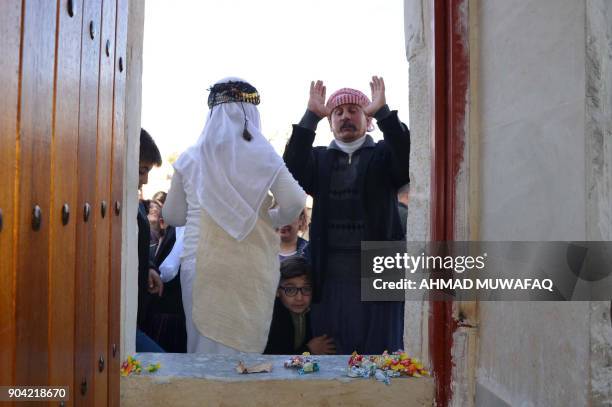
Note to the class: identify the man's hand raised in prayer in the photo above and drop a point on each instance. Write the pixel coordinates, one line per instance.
(316, 102)
(378, 96)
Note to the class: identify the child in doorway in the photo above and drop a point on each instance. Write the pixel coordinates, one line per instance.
(290, 243)
(290, 331)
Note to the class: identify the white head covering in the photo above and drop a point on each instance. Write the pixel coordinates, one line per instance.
(236, 174)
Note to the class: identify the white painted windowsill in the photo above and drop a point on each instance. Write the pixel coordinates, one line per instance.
(211, 380)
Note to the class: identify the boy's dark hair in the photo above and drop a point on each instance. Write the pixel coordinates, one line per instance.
(148, 149)
(294, 266)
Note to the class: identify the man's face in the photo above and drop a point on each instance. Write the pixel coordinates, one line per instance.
(299, 302)
(143, 173)
(348, 122)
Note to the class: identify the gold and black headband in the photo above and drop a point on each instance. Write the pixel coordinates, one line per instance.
(232, 92)
(238, 92)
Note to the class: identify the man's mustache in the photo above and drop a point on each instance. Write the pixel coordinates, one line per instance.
(348, 126)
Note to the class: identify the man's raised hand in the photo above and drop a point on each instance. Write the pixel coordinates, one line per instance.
(316, 102)
(377, 85)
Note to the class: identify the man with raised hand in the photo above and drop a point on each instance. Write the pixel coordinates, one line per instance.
(354, 183)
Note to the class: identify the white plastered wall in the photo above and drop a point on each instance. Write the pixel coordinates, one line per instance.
(599, 181)
(129, 246)
(538, 167)
(417, 14)
(536, 184)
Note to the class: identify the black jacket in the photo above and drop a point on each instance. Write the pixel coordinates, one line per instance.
(165, 322)
(144, 264)
(383, 169)
(171, 301)
(281, 337)
(165, 247)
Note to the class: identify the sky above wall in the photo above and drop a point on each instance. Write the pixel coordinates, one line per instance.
(278, 46)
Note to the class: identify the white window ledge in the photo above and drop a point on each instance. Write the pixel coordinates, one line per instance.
(211, 380)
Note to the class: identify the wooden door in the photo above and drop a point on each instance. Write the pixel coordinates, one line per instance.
(116, 197)
(10, 32)
(61, 171)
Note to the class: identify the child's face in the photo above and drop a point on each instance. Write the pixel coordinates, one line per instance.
(289, 232)
(299, 302)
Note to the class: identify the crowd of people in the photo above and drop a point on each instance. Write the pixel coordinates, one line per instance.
(224, 265)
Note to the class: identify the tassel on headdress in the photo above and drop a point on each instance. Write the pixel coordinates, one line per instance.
(245, 133)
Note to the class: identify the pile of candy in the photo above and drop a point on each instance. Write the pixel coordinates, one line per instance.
(385, 366)
(304, 363)
(132, 366)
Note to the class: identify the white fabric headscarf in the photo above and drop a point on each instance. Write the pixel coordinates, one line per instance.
(236, 174)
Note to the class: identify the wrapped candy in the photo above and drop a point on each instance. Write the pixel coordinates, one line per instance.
(385, 366)
(355, 371)
(382, 376)
(304, 363)
(131, 366)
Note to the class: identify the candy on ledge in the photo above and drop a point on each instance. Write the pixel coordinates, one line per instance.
(304, 363)
(385, 366)
(132, 366)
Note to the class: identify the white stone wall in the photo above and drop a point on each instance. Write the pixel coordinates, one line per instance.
(539, 167)
(599, 180)
(129, 249)
(417, 14)
(536, 174)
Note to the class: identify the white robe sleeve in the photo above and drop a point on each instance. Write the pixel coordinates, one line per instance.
(174, 211)
(289, 196)
(171, 264)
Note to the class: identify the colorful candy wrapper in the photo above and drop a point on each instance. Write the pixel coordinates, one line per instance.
(385, 366)
(132, 366)
(304, 363)
(354, 371)
(382, 377)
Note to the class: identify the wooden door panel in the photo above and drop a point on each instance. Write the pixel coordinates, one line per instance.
(103, 176)
(34, 168)
(64, 193)
(117, 168)
(61, 146)
(10, 33)
(85, 359)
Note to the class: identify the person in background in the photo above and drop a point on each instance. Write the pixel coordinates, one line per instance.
(166, 318)
(154, 215)
(291, 244)
(160, 196)
(149, 282)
